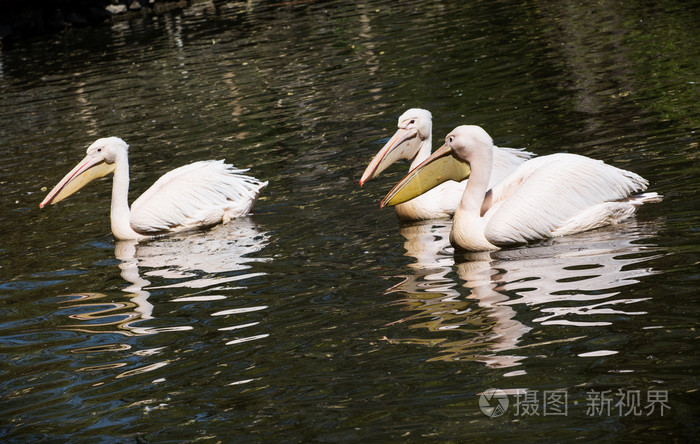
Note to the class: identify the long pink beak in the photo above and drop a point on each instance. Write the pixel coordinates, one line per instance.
(390, 153)
(87, 170)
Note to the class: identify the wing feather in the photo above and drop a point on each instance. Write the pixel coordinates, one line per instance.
(551, 190)
(505, 161)
(188, 196)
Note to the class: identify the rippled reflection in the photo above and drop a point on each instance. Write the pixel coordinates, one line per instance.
(572, 281)
(209, 262)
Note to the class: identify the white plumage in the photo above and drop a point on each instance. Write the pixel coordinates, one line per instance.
(197, 195)
(413, 141)
(209, 192)
(545, 197)
(559, 194)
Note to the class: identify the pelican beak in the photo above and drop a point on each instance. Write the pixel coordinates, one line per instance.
(89, 169)
(440, 167)
(395, 149)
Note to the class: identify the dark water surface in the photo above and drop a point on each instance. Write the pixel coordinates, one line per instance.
(320, 317)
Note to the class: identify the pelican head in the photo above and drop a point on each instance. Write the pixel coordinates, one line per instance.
(451, 161)
(100, 160)
(415, 127)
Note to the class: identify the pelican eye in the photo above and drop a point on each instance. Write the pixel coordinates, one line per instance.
(412, 122)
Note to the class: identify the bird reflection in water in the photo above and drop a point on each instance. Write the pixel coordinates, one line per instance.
(470, 303)
(208, 262)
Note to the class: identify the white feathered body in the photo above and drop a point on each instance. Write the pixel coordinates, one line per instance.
(200, 194)
(551, 196)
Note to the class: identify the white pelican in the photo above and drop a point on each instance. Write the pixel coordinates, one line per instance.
(545, 197)
(197, 195)
(413, 142)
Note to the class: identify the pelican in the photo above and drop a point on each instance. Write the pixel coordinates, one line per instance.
(413, 142)
(545, 197)
(197, 195)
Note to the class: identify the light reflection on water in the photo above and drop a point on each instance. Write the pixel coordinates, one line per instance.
(210, 262)
(573, 281)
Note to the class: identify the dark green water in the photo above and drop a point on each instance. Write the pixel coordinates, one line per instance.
(320, 317)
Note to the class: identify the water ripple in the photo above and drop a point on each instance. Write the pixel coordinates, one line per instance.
(572, 271)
